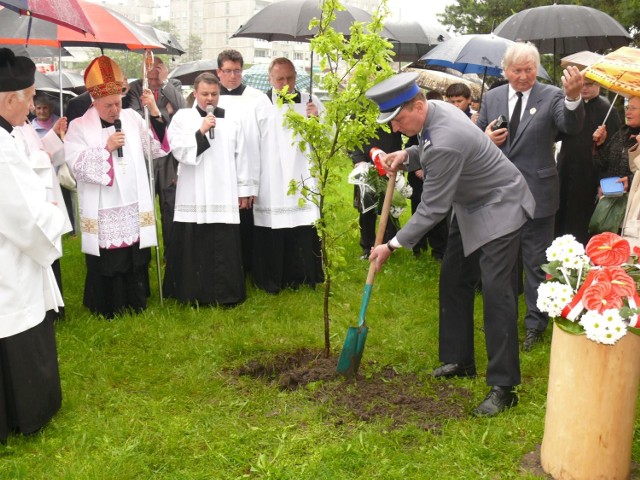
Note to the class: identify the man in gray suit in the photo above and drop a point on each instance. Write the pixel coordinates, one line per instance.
(537, 113)
(463, 169)
(169, 98)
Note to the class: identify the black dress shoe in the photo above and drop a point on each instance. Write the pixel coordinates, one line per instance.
(449, 370)
(532, 337)
(497, 400)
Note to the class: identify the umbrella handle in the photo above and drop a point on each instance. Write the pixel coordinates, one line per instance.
(311, 77)
(610, 108)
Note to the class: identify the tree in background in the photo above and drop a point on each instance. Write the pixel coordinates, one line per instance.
(350, 67)
(167, 26)
(194, 48)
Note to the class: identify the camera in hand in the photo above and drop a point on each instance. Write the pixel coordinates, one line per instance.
(501, 122)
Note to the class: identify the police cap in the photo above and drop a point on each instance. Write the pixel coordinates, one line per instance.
(391, 94)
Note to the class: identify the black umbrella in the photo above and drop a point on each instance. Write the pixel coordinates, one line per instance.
(43, 82)
(69, 80)
(564, 29)
(187, 72)
(414, 39)
(32, 51)
(288, 21)
(171, 45)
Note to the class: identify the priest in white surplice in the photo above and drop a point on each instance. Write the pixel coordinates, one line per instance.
(30, 230)
(44, 155)
(239, 102)
(286, 247)
(215, 179)
(116, 210)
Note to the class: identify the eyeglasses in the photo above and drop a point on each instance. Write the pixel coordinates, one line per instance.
(631, 107)
(231, 72)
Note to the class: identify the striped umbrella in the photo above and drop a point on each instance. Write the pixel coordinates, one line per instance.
(67, 13)
(257, 76)
(110, 30)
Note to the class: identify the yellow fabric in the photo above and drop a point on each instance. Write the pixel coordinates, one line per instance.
(619, 71)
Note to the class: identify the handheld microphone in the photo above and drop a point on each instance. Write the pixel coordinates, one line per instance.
(118, 124)
(210, 109)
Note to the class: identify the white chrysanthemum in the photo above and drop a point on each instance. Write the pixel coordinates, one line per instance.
(575, 262)
(567, 250)
(593, 324)
(606, 328)
(553, 297)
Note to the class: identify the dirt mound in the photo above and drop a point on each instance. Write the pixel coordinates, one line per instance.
(385, 395)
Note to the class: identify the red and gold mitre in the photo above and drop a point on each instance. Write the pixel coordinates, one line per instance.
(103, 77)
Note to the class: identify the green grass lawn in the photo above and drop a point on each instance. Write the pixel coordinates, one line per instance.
(154, 396)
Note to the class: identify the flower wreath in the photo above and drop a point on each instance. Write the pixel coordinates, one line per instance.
(592, 291)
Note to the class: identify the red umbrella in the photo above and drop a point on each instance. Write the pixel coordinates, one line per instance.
(67, 13)
(111, 30)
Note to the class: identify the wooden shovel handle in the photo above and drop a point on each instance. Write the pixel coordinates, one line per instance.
(386, 208)
(382, 224)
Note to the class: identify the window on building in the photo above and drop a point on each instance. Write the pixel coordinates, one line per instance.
(298, 56)
(260, 53)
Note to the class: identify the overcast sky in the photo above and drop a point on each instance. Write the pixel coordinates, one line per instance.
(424, 10)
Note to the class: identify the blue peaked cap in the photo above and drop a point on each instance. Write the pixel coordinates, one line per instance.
(391, 94)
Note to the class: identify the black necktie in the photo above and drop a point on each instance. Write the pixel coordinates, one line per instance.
(515, 117)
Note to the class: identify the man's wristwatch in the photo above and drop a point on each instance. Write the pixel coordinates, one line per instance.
(390, 247)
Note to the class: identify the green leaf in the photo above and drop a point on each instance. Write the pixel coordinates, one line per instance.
(635, 331)
(568, 326)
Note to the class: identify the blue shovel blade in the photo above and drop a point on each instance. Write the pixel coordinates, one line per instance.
(352, 351)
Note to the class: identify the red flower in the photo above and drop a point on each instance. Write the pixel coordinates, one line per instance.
(636, 251)
(600, 297)
(622, 284)
(608, 249)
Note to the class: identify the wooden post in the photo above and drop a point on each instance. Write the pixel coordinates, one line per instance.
(591, 407)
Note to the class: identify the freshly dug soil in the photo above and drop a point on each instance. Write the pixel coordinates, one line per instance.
(382, 396)
(385, 395)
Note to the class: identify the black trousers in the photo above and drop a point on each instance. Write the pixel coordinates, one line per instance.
(495, 263)
(436, 238)
(537, 236)
(367, 223)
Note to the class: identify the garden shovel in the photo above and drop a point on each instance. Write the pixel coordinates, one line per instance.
(353, 348)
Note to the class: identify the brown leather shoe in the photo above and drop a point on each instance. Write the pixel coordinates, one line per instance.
(449, 370)
(497, 400)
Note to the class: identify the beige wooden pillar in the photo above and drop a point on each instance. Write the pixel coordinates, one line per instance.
(591, 407)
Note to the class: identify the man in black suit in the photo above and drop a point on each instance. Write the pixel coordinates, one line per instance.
(387, 142)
